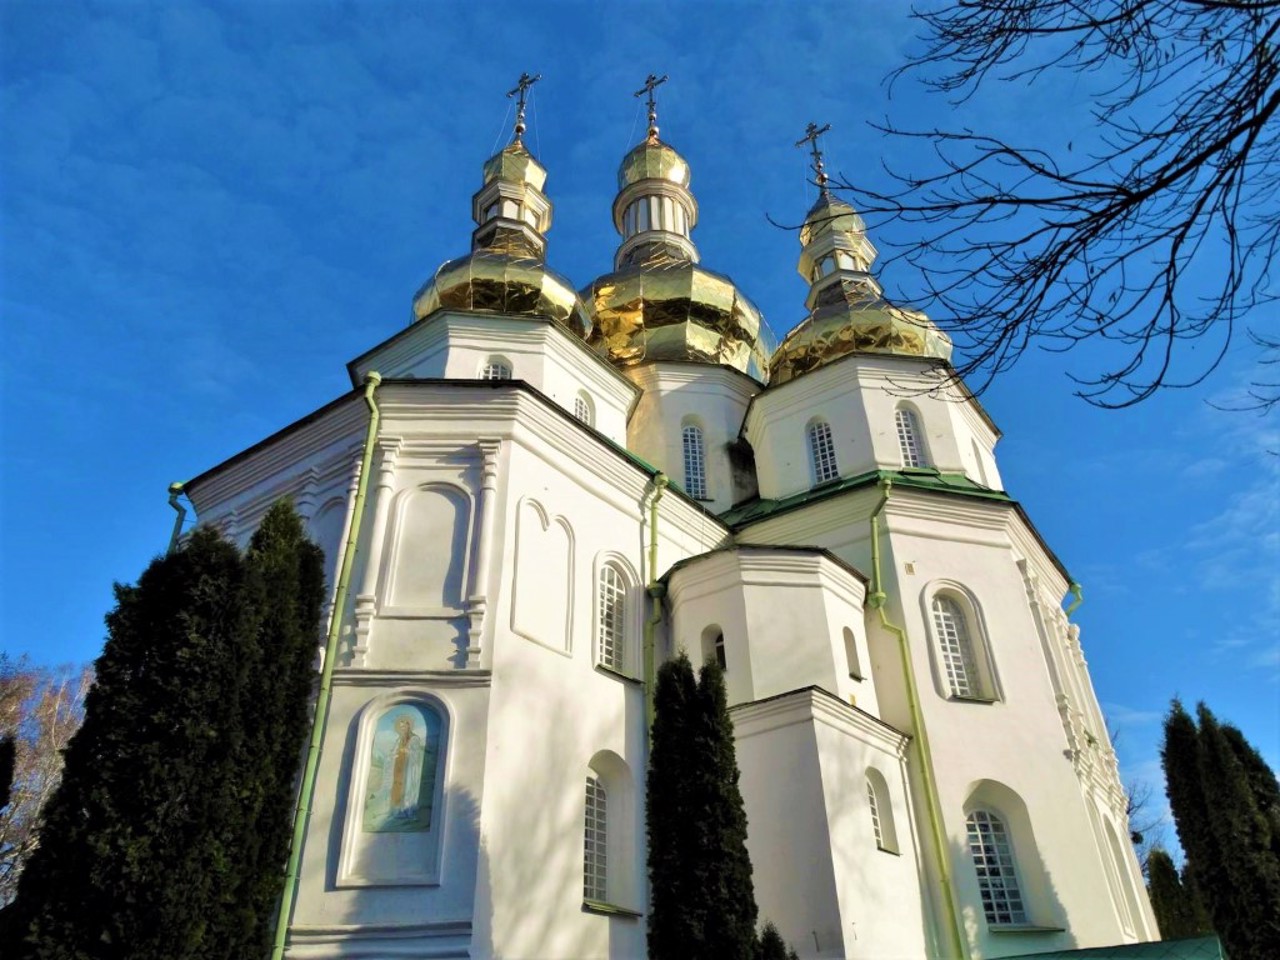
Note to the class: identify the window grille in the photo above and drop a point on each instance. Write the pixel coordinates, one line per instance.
(695, 471)
(496, 370)
(582, 409)
(822, 452)
(909, 442)
(956, 648)
(611, 614)
(595, 850)
(875, 814)
(718, 644)
(992, 854)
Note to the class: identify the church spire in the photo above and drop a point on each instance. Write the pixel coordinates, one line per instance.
(511, 212)
(654, 210)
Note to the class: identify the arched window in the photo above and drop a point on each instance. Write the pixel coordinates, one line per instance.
(881, 811)
(611, 618)
(595, 848)
(992, 851)
(713, 646)
(695, 469)
(495, 368)
(822, 452)
(910, 441)
(851, 654)
(957, 663)
(582, 408)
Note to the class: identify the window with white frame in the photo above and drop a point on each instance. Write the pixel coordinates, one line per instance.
(582, 408)
(875, 814)
(910, 442)
(695, 467)
(822, 452)
(992, 851)
(957, 661)
(496, 368)
(882, 826)
(611, 615)
(595, 849)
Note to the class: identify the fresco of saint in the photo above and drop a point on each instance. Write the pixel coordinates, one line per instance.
(400, 787)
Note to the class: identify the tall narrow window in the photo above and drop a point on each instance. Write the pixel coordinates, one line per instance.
(992, 853)
(909, 441)
(955, 648)
(822, 452)
(611, 604)
(595, 849)
(496, 369)
(695, 469)
(582, 409)
(875, 814)
(717, 644)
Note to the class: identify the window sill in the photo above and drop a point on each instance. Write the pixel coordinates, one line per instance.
(893, 853)
(609, 909)
(1022, 928)
(617, 674)
(959, 699)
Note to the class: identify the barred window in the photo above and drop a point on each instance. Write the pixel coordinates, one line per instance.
(582, 409)
(822, 452)
(910, 442)
(875, 814)
(992, 853)
(611, 602)
(595, 850)
(496, 369)
(695, 470)
(955, 648)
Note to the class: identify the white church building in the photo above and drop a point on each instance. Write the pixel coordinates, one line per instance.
(565, 488)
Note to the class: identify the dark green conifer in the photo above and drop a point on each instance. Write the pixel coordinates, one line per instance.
(772, 946)
(1176, 907)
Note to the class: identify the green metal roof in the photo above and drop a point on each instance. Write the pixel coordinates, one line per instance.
(1197, 948)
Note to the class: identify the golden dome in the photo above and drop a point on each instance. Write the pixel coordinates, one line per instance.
(830, 215)
(497, 281)
(515, 164)
(872, 325)
(676, 310)
(653, 160)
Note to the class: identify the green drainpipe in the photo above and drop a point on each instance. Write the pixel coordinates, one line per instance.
(308, 788)
(1077, 592)
(877, 600)
(656, 592)
(175, 491)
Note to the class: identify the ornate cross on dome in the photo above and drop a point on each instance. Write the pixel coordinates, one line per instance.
(651, 83)
(811, 135)
(522, 88)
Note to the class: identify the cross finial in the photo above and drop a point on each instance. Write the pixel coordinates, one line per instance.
(651, 83)
(522, 88)
(811, 135)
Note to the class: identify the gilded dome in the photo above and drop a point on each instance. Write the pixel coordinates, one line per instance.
(676, 310)
(830, 215)
(653, 160)
(497, 281)
(871, 325)
(515, 164)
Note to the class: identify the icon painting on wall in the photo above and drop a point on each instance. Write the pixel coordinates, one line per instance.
(401, 785)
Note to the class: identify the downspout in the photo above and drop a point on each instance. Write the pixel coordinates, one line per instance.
(306, 792)
(656, 592)
(175, 491)
(877, 601)
(1077, 592)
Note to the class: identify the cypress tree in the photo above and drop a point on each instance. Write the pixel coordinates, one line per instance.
(1262, 782)
(772, 946)
(676, 917)
(125, 868)
(1176, 907)
(731, 911)
(702, 898)
(1247, 912)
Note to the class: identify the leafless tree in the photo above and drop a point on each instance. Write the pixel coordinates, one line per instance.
(1159, 232)
(40, 708)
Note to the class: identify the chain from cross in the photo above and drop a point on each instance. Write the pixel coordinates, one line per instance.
(811, 135)
(651, 83)
(522, 88)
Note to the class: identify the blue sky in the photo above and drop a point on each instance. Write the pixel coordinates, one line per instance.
(206, 210)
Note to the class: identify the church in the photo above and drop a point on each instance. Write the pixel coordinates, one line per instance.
(536, 492)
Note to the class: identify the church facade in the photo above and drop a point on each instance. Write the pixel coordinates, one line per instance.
(564, 489)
